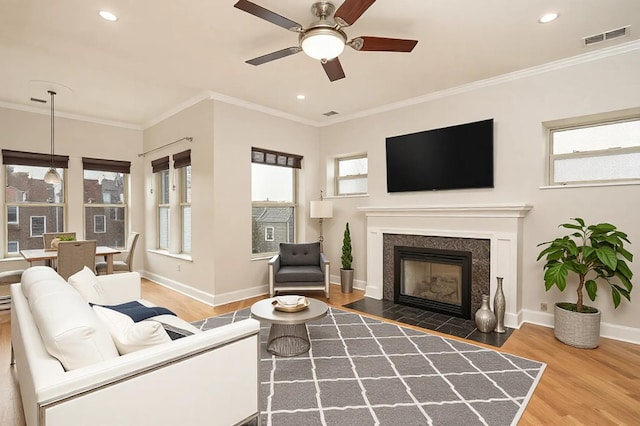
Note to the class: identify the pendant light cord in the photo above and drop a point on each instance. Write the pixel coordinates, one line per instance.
(52, 93)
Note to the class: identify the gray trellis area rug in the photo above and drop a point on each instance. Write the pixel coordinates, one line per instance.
(362, 371)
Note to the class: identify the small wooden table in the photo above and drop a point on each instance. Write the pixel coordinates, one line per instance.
(33, 255)
(288, 335)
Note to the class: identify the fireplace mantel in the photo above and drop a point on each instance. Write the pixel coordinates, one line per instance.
(495, 211)
(499, 223)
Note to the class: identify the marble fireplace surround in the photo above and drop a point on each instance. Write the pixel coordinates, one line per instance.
(500, 224)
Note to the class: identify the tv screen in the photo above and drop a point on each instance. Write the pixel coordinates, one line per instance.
(456, 157)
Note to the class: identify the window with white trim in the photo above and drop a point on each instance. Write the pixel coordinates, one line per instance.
(99, 224)
(13, 215)
(13, 247)
(351, 175)
(182, 166)
(273, 199)
(163, 209)
(38, 225)
(596, 152)
(105, 201)
(27, 196)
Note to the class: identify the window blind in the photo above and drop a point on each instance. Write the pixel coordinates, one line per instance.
(182, 159)
(275, 158)
(161, 164)
(21, 158)
(98, 164)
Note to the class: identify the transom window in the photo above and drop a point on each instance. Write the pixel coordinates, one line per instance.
(351, 175)
(606, 151)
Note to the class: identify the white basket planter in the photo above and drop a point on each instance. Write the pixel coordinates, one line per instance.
(578, 329)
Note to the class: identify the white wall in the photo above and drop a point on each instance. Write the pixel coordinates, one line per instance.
(518, 107)
(27, 131)
(222, 270)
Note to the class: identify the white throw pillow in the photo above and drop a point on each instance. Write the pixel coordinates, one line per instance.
(86, 283)
(131, 336)
(71, 332)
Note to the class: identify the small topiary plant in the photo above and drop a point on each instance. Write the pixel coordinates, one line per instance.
(347, 258)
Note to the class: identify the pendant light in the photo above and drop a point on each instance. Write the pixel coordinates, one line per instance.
(52, 175)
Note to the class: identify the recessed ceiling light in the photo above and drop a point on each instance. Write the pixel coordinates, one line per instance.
(301, 97)
(548, 18)
(108, 16)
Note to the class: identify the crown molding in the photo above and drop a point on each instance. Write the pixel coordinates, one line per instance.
(79, 117)
(493, 81)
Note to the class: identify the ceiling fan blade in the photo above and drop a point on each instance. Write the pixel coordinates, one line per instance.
(333, 68)
(350, 11)
(274, 55)
(267, 15)
(382, 44)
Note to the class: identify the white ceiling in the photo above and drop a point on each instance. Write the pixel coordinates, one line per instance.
(162, 53)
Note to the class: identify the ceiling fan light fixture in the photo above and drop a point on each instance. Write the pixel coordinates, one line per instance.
(323, 43)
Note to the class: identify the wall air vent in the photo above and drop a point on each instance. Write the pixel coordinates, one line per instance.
(608, 35)
(330, 113)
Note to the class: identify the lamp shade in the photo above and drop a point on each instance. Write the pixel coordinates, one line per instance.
(322, 43)
(321, 209)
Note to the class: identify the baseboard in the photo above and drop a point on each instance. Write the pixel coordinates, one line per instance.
(357, 284)
(607, 330)
(202, 296)
(194, 293)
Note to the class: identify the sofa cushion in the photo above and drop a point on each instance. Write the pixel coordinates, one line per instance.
(130, 336)
(288, 274)
(87, 284)
(299, 254)
(70, 330)
(40, 276)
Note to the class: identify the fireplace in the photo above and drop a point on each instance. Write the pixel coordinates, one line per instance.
(433, 279)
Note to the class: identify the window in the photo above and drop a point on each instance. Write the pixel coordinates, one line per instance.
(38, 225)
(605, 151)
(351, 175)
(13, 215)
(99, 224)
(182, 164)
(273, 201)
(105, 201)
(268, 233)
(13, 247)
(163, 209)
(32, 206)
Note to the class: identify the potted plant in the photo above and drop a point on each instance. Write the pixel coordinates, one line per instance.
(595, 253)
(346, 272)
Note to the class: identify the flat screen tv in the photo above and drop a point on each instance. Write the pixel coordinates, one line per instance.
(456, 157)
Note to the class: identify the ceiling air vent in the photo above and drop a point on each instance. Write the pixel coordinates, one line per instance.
(330, 113)
(608, 35)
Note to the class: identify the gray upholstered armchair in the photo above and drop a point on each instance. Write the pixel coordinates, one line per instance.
(299, 267)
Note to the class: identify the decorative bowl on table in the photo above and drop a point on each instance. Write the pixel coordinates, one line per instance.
(290, 303)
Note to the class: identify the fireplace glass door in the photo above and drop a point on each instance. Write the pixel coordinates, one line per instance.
(440, 282)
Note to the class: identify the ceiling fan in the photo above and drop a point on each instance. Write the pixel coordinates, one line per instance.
(324, 39)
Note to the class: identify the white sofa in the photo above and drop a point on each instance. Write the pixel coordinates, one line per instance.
(210, 377)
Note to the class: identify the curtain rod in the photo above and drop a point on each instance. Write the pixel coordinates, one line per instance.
(186, 138)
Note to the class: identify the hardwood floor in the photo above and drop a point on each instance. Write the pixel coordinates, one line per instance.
(579, 386)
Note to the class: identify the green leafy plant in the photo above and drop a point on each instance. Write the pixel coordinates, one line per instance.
(347, 258)
(67, 238)
(593, 252)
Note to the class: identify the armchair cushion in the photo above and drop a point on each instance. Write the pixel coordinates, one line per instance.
(300, 254)
(288, 274)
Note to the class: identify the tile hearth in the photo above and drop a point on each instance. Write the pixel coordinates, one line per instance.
(453, 326)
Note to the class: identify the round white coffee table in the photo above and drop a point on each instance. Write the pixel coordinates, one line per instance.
(288, 335)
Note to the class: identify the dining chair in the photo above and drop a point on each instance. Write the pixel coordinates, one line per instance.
(121, 265)
(75, 255)
(47, 237)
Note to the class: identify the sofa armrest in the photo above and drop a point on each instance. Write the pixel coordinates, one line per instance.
(120, 288)
(217, 370)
